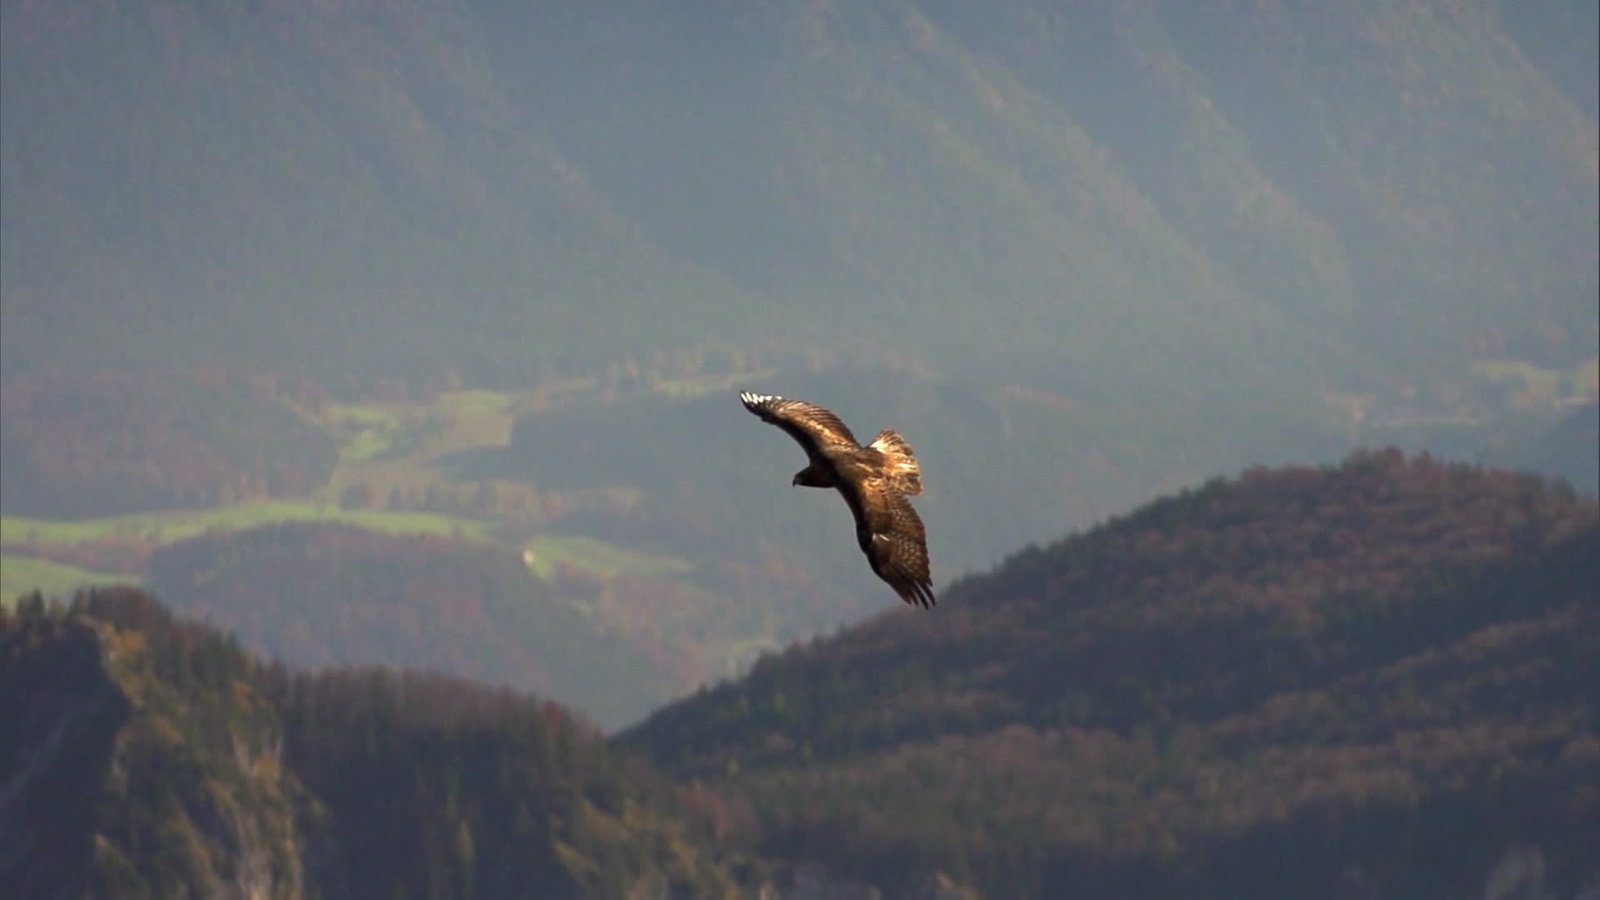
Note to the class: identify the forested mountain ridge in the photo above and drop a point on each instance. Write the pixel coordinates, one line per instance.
(145, 756)
(1376, 679)
(139, 760)
(1383, 671)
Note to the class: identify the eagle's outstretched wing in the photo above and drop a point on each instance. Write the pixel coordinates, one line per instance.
(892, 536)
(813, 426)
(873, 480)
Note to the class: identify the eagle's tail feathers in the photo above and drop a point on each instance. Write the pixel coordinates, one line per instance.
(900, 462)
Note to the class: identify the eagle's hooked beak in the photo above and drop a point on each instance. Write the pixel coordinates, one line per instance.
(795, 481)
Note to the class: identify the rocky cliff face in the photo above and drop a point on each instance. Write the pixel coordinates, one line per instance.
(139, 769)
(809, 881)
(142, 756)
(63, 713)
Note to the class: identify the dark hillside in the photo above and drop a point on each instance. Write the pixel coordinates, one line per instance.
(139, 759)
(476, 792)
(1384, 671)
(147, 756)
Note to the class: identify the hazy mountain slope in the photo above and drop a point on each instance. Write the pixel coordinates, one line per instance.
(1410, 131)
(1055, 153)
(1002, 467)
(869, 171)
(317, 594)
(1382, 671)
(1570, 449)
(1561, 40)
(1227, 204)
(313, 189)
(1356, 166)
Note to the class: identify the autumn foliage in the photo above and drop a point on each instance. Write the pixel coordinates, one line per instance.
(1383, 672)
(86, 445)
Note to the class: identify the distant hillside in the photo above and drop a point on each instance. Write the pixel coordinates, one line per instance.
(149, 757)
(86, 444)
(321, 594)
(1571, 448)
(1224, 203)
(1003, 466)
(1375, 678)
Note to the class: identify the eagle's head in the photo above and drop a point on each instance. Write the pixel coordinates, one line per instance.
(812, 476)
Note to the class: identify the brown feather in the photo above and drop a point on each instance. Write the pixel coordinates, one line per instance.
(813, 426)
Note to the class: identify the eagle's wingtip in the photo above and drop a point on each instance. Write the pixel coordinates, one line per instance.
(917, 593)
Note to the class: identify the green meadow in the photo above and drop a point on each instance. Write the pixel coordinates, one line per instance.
(1576, 382)
(368, 432)
(175, 525)
(547, 551)
(475, 402)
(20, 575)
(402, 435)
(365, 431)
(543, 553)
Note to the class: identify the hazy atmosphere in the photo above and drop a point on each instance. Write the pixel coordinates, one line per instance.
(1250, 352)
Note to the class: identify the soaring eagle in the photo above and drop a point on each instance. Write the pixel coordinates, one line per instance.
(874, 480)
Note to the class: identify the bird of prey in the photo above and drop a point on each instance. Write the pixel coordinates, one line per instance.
(874, 480)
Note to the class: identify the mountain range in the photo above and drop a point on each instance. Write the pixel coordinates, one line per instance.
(1302, 682)
(1373, 679)
(259, 264)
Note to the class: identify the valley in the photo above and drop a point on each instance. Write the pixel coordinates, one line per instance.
(645, 549)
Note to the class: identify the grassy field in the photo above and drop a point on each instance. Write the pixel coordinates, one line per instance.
(20, 575)
(475, 402)
(381, 443)
(1546, 384)
(175, 525)
(545, 552)
(365, 431)
(455, 420)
